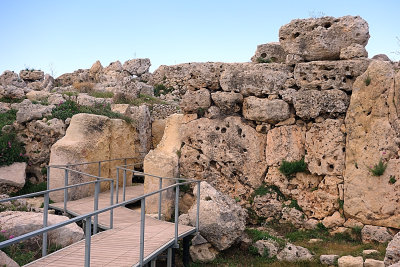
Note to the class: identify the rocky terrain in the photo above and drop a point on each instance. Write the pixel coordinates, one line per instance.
(306, 135)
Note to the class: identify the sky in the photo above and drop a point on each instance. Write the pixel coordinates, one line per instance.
(62, 36)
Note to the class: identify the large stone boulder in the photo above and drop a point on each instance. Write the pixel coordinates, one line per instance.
(325, 146)
(194, 101)
(12, 177)
(227, 102)
(203, 253)
(227, 153)
(16, 223)
(353, 51)
(324, 75)
(350, 261)
(372, 233)
(285, 143)
(38, 136)
(322, 38)
(272, 51)
(222, 220)
(31, 75)
(7, 261)
(267, 248)
(189, 76)
(309, 104)
(392, 255)
(294, 253)
(137, 66)
(316, 195)
(28, 111)
(265, 110)
(91, 138)
(255, 79)
(164, 161)
(373, 127)
(11, 78)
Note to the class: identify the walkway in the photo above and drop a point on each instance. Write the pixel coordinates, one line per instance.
(120, 245)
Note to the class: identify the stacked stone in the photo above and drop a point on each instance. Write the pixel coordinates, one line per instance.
(246, 118)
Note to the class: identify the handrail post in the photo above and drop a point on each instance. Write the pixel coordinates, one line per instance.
(65, 190)
(176, 213)
(112, 203)
(198, 207)
(96, 204)
(45, 217)
(159, 198)
(48, 177)
(88, 228)
(142, 223)
(99, 169)
(117, 187)
(123, 186)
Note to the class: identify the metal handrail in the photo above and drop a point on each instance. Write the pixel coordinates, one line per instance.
(160, 190)
(87, 218)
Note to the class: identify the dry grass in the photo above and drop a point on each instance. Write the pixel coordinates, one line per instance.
(83, 87)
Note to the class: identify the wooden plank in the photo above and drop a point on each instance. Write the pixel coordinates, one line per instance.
(119, 246)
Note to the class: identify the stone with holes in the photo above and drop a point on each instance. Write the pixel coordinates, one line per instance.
(270, 51)
(226, 152)
(322, 38)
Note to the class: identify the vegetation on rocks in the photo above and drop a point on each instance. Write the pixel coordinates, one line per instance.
(142, 99)
(11, 149)
(11, 100)
(289, 168)
(160, 89)
(69, 108)
(30, 188)
(264, 60)
(99, 94)
(378, 169)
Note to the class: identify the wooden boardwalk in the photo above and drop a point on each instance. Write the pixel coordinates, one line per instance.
(120, 245)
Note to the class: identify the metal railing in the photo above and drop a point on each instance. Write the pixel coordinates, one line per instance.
(88, 217)
(68, 168)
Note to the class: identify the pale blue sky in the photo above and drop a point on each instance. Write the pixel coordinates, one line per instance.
(68, 35)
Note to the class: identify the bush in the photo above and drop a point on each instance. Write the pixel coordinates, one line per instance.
(142, 99)
(11, 149)
(378, 169)
(83, 87)
(30, 188)
(102, 94)
(288, 168)
(69, 108)
(11, 100)
(392, 179)
(264, 60)
(367, 80)
(160, 89)
(7, 118)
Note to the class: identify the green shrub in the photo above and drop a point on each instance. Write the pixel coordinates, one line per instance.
(392, 179)
(288, 168)
(142, 99)
(341, 203)
(8, 118)
(378, 169)
(11, 100)
(160, 89)
(69, 108)
(11, 149)
(30, 188)
(294, 204)
(264, 60)
(367, 80)
(98, 94)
